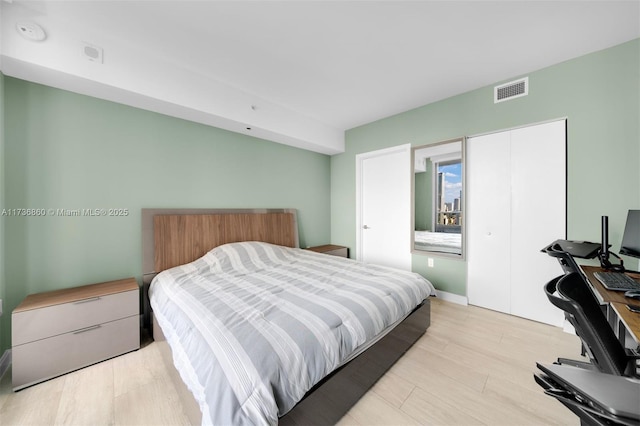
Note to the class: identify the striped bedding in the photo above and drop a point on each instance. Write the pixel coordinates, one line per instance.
(253, 326)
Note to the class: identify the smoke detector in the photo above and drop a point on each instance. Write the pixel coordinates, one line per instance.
(93, 53)
(31, 31)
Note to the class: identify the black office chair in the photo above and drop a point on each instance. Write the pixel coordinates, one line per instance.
(581, 308)
(567, 262)
(550, 290)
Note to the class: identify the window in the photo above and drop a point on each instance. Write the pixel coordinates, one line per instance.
(448, 196)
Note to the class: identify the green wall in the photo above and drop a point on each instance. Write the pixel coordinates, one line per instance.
(4, 319)
(423, 189)
(599, 94)
(67, 151)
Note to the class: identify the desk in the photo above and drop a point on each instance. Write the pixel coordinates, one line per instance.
(621, 318)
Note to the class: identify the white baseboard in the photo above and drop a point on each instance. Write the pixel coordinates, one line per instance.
(5, 362)
(451, 297)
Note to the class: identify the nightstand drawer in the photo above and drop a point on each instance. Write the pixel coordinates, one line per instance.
(35, 324)
(46, 358)
(342, 252)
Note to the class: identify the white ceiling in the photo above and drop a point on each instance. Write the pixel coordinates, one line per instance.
(300, 72)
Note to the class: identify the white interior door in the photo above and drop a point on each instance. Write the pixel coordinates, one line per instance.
(384, 202)
(516, 206)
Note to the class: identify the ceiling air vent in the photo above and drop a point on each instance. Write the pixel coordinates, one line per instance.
(511, 90)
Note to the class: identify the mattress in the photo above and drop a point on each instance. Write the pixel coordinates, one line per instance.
(253, 326)
(444, 242)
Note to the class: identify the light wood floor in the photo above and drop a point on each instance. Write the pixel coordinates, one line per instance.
(472, 367)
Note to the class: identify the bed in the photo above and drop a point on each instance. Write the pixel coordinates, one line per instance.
(445, 242)
(262, 332)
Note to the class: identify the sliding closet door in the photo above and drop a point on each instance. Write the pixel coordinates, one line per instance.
(538, 216)
(488, 241)
(516, 206)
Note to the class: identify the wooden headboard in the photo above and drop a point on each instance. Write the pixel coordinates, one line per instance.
(172, 237)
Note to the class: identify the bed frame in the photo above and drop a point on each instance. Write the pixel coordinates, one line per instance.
(172, 237)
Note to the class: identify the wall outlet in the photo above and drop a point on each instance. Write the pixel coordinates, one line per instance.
(0, 307)
(430, 262)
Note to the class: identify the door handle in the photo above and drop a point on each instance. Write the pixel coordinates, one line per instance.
(366, 227)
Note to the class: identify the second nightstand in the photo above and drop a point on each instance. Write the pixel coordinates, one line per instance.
(331, 249)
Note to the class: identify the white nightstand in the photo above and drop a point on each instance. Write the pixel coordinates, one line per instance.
(59, 331)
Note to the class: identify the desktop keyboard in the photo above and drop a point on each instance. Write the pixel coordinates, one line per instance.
(617, 281)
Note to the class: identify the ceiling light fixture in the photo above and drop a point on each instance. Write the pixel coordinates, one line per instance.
(31, 31)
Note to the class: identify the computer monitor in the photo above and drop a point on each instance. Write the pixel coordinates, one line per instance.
(631, 238)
